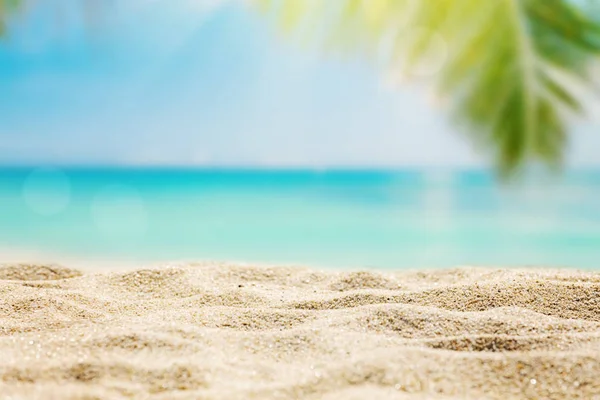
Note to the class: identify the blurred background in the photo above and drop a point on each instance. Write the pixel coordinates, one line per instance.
(343, 133)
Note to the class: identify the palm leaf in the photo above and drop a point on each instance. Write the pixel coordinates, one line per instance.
(508, 68)
(6, 7)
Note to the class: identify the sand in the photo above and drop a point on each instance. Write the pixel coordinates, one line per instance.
(220, 331)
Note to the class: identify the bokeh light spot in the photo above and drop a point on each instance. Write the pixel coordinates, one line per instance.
(47, 191)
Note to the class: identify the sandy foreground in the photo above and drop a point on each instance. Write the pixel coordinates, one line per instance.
(219, 331)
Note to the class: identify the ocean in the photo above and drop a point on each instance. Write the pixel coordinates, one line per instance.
(340, 218)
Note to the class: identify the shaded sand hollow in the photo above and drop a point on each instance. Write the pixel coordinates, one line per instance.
(218, 331)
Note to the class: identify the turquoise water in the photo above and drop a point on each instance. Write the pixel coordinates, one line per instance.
(383, 219)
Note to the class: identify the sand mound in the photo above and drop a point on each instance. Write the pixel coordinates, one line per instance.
(36, 272)
(236, 332)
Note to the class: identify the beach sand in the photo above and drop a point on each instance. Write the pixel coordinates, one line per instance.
(220, 331)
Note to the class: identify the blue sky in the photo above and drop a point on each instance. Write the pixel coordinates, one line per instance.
(185, 82)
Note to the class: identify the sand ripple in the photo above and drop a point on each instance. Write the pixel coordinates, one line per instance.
(218, 331)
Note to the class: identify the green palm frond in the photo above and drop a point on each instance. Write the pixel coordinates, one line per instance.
(508, 65)
(6, 7)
